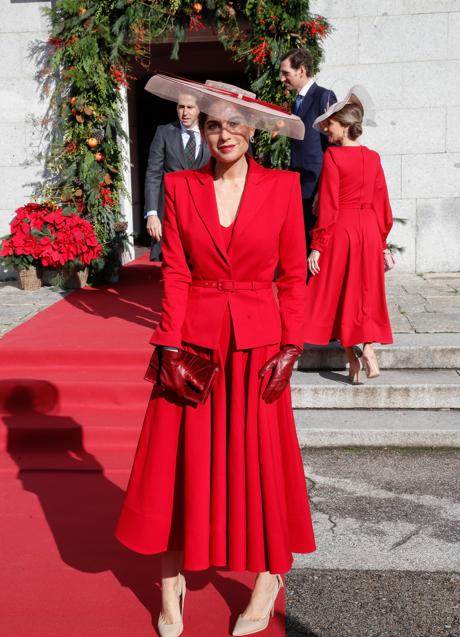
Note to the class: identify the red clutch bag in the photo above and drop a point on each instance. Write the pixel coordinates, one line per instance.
(205, 371)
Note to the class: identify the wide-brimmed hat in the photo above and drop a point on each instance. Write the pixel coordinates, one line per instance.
(357, 95)
(212, 95)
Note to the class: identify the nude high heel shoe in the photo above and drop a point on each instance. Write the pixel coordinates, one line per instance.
(245, 626)
(371, 366)
(353, 371)
(176, 629)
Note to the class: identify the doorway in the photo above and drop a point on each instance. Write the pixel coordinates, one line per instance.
(199, 59)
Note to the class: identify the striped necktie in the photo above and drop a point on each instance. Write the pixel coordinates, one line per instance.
(190, 148)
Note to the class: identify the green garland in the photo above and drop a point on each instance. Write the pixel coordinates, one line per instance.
(86, 64)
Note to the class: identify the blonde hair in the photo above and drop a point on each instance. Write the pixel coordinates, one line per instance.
(351, 116)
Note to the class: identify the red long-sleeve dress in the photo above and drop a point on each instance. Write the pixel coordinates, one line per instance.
(224, 481)
(346, 300)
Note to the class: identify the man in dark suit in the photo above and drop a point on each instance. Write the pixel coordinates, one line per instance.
(296, 73)
(175, 146)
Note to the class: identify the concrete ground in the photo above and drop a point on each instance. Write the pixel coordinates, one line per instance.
(424, 303)
(387, 525)
(17, 306)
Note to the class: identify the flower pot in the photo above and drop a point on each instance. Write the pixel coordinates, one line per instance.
(75, 280)
(28, 279)
(113, 276)
(48, 276)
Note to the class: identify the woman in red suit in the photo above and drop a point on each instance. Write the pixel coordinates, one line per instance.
(346, 292)
(222, 483)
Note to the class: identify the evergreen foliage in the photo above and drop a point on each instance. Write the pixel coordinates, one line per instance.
(86, 67)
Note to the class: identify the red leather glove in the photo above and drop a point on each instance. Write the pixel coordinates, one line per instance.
(281, 365)
(174, 373)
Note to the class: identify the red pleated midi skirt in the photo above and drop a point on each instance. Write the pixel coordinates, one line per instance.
(224, 481)
(346, 300)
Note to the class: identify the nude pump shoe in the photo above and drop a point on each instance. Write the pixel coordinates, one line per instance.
(245, 626)
(353, 371)
(371, 366)
(176, 629)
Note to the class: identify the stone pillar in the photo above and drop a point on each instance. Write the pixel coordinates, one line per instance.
(20, 104)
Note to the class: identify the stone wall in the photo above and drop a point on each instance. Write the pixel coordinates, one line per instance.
(21, 24)
(407, 54)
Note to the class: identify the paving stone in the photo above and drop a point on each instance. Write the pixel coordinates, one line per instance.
(447, 293)
(442, 301)
(411, 302)
(435, 322)
(14, 314)
(400, 324)
(442, 275)
(18, 306)
(425, 288)
(433, 308)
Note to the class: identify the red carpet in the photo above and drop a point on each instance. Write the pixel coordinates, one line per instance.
(72, 399)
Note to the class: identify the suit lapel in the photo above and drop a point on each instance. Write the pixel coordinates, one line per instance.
(199, 158)
(253, 196)
(202, 192)
(177, 145)
(308, 100)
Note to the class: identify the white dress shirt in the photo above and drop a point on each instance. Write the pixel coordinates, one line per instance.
(185, 137)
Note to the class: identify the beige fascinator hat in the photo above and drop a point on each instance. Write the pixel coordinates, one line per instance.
(358, 95)
(212, 98)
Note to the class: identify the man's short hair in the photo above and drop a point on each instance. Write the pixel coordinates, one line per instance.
(298, 58)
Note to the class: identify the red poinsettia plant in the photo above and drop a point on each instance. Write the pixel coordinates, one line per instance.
(41, 234)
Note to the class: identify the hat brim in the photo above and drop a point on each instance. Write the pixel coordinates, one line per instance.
(254, 113)
(357, 94)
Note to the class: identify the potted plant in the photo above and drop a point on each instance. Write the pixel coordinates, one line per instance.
(42, 235)
(69, 244)
(20, 249)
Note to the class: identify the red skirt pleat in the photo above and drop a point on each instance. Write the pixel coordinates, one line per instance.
(224, 481)
(346, 300)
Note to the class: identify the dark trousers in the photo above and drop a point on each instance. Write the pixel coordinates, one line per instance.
(155, 250)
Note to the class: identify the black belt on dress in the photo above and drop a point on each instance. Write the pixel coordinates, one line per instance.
(231, 286)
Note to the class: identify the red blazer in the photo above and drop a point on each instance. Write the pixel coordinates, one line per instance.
(268, 235)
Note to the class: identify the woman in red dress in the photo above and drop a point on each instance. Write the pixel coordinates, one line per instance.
(346, 292)
(222, 483)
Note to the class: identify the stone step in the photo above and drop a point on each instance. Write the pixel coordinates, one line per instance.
(378, 428)
(393, 389)
(409, 351)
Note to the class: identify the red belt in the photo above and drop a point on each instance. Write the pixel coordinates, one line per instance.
(231, 286)
(358, 206)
